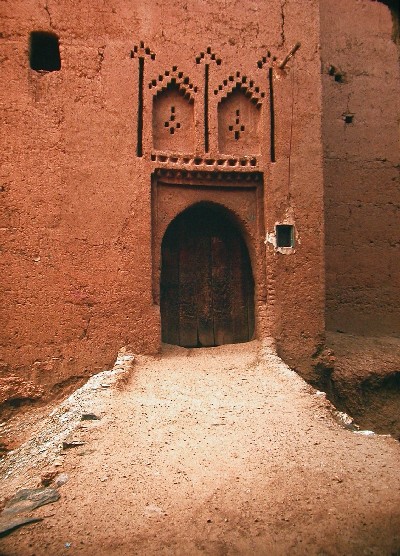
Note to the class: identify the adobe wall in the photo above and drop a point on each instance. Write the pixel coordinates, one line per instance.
(78, 193)
(361, 84)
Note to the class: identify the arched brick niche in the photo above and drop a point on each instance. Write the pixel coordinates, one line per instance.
(173, 120)
(238, 124)
(236, 196)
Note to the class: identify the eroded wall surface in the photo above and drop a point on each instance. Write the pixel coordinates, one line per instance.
(80, 147)
(361, 107)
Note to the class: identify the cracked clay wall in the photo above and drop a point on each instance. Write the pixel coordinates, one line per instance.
(361, 107)
(77, 224)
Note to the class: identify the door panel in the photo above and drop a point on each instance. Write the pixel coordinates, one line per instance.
(187, 293)
(170, 294)
(239, 309)
(207, 289)
(222, 294)
(205, 323)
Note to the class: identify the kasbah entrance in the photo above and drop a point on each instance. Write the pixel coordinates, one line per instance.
(215, 183)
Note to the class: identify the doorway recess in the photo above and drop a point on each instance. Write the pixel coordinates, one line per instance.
(208, 256)
(207, 286)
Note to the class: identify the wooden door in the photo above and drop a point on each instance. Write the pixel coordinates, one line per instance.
(207, 289)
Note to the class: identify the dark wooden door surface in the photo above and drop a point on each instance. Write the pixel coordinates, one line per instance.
(207, 289)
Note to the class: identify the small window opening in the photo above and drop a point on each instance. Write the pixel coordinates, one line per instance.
(44, 51)
(284, 235)
(348, 118)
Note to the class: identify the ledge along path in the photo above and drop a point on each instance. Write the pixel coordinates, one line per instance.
(210, 451)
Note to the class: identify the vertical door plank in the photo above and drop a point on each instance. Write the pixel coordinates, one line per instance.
(249, 291)
(202, 263)
(187, 289)
(169, 294)
(222, 296)
(240, 301)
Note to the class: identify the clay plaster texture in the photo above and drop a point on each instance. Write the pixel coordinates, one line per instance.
(361, 107)
(87, 149)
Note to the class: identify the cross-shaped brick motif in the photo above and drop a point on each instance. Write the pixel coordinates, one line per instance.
(238, 128)
(172, 124)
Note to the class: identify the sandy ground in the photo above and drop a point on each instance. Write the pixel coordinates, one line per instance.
(216, 451)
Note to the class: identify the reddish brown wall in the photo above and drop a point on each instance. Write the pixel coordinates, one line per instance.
(78, 224)
(361, 166)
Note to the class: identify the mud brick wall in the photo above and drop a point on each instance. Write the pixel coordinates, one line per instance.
(79, 154)
(361, 106)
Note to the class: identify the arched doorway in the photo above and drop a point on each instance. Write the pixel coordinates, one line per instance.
(207, 286)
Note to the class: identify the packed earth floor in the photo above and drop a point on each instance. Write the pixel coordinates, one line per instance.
(214, 451)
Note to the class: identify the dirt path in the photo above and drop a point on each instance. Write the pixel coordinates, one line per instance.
(219, 451)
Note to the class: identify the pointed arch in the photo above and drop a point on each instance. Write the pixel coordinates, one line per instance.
(178, 78)
(251, 89)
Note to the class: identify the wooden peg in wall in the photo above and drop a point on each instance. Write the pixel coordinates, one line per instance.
(292, 52)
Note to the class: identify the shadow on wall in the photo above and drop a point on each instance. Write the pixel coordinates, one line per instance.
(394, 7)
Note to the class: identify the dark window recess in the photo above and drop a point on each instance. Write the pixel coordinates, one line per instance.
(44, 51)
(284, 235)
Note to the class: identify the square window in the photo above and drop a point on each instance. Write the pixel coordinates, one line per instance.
(284, 235)
(44, 51)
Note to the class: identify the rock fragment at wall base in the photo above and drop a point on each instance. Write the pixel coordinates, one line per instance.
(28, 499)
(7, 525)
